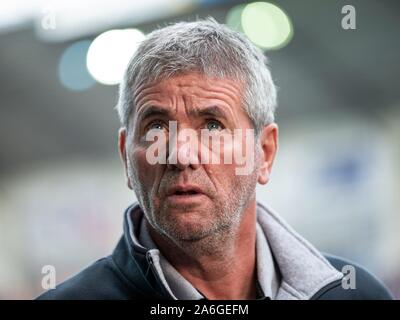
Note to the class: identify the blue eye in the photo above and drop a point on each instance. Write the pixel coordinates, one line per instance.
(155, 125)
(213, 125)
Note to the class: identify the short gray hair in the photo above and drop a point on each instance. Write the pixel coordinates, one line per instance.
(207, 47)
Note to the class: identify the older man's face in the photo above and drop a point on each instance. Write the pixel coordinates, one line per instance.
(186, 199)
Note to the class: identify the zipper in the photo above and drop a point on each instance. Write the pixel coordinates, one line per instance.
(156, 275)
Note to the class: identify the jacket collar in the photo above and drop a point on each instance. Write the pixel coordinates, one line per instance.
(268, 277)
(304, 271)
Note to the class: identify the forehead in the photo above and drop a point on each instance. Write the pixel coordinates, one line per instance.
(192, 88)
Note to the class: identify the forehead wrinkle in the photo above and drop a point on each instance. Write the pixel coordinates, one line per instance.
(187, 105)
(225, 85)
(142, 89)
(189, 89)
(225, 93)
(194, 104)
(145, 95)
(228, 105)
(221, 92)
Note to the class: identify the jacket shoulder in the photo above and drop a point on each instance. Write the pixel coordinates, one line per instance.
(365, 287)
(100, 280)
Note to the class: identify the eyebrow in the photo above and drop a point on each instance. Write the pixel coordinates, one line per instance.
(213, 111)
(153, 111)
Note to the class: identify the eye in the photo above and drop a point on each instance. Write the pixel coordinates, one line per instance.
(157, 125)
(214, 125)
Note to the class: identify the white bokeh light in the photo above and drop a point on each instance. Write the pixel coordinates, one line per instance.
(109, 54)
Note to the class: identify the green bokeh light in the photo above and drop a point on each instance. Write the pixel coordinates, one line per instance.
(265, 24)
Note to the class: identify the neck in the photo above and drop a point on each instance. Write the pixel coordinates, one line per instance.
(226, 272)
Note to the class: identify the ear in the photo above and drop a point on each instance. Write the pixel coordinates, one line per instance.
(269, 147)
(122, 152)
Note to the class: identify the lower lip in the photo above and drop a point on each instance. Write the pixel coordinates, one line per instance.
(186, 199)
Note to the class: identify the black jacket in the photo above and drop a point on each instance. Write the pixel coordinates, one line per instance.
(128, 273)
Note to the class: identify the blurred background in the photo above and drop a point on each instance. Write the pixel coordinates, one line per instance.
(62, 188)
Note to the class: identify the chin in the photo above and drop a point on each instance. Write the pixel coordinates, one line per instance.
(188, 230)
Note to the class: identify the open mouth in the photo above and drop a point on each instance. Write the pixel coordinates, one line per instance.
(185, 193)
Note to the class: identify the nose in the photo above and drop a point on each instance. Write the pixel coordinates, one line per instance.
(184, 151)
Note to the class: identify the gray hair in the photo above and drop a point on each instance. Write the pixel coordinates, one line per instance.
(207, 47)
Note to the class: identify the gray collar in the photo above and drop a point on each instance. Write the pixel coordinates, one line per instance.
(181, 289)
(304, 269)
(288, 266)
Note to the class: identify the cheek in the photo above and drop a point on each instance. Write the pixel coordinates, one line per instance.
(144, 171)
(223, 177)
(237, 152)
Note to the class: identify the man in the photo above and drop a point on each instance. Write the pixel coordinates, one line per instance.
(197, 231)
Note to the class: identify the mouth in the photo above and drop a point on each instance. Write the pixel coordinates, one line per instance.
(185, 195)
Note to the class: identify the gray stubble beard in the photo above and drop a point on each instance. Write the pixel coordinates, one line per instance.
(218, 239)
